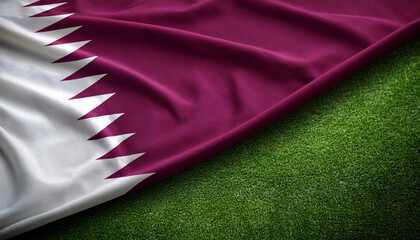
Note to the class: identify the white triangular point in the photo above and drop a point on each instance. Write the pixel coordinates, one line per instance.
(80, 84)
(121, 161)
(26, 2)
(52, 36)
(96, 171)
(60, 50)
(124, 160)
(10, 8)
(111, 142)
(43, 22)
(96, 124)
(87, 104)
(32, 10)
(68, 68)
(22, 38)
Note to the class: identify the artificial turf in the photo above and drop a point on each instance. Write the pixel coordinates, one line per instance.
(345, 165)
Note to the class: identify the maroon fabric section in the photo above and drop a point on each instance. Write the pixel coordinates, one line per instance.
(194, 77)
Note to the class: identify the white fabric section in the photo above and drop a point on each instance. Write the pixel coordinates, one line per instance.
(15, 9)
(30, 24)
(48, 168)
(85, 105)
(51, 36)
(99, 123)
(80, 84)
(61, 50)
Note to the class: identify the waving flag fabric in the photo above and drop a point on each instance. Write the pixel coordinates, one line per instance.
(98, 98)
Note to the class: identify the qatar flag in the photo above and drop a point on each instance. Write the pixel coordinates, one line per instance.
(99, 98)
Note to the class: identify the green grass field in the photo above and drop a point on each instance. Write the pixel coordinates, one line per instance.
(344, 166)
